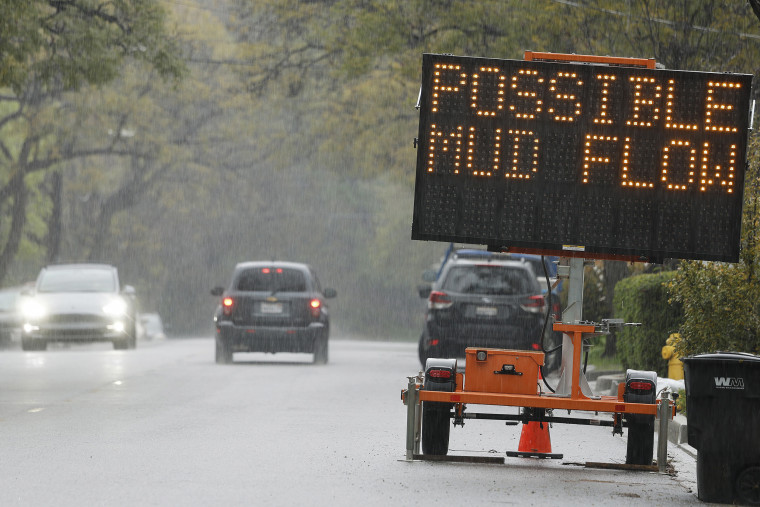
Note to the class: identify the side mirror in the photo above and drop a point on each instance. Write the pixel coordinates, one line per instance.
(429, 275)
(424, 291)
(217, 291)
(329, 293)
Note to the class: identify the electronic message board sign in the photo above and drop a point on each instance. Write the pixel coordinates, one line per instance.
(607, 160)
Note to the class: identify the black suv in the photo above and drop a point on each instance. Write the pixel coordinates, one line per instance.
(481, 299)
(272, 306)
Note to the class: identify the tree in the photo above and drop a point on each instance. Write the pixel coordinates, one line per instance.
(50, 48)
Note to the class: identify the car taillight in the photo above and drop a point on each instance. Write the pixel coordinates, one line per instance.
(314, 306)
(534, 304)
(439, 301)
(227, 304)
(641, 386)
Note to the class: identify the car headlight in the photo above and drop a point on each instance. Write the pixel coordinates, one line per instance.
(115, 307)
(32, 309)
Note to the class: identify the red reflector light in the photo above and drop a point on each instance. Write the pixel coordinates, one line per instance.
(440, 373)
(536, 346)
(534, 304)
(439, 300)
(227, 304)
(434, 342)
(315, 305)
(265, 270)
(641, 386)
(279, 270)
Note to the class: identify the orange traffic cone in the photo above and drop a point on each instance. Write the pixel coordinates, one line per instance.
(535, 441)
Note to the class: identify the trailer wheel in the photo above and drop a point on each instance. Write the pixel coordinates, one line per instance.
(640, 387)
(436, 427)
(640, 449)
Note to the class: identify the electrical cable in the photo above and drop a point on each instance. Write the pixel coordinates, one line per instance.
(546, 321)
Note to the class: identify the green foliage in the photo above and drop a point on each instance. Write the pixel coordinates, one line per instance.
(67, 44)
(290, 136)
(681, 402)
(720, 303)
(644, 299)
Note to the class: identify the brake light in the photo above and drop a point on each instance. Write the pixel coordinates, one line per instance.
(439, 373)
(315, 305)
(227, 304)
(641, 386)
(439, 301)
(534, 304)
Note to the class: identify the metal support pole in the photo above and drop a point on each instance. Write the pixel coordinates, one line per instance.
(663, 413)
(417, 427)
(411, 417)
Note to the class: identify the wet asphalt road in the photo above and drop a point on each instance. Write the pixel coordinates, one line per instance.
(165, 425)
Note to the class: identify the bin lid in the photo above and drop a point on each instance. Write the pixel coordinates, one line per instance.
(723, 357)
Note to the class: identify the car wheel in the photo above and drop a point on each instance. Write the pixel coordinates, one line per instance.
(421, 351)
(33, 345)
(436, 427)
(223, 352)
(132, 337)
(321, 350)
(5, 339)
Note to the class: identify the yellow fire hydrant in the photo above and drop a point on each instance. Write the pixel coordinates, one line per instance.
(675, 365)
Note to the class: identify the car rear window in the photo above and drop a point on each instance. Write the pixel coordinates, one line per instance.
(271, 280)
(77, 280)
(494, 280)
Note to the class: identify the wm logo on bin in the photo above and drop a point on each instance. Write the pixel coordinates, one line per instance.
(729, 383)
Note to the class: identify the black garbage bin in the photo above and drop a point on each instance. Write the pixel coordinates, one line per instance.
(723, 423)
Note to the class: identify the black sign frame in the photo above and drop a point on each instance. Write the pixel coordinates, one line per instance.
(573, 157)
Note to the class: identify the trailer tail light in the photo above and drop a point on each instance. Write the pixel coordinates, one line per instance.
(439, 300)
(640, 386)
(534, 304)
(315, 306)
(227, 305)
(439, 373)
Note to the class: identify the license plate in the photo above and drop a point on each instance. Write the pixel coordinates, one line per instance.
(271, 308)
(486, 311)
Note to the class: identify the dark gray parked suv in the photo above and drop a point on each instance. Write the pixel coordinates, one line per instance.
(481, 299)
(272, 306)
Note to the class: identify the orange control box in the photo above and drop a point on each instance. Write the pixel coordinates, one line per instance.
(502, 371)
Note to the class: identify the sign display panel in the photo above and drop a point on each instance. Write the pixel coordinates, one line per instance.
(601, 159)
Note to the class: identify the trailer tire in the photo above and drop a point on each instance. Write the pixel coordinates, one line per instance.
(640, 450)
(640, 387)
(436, 427)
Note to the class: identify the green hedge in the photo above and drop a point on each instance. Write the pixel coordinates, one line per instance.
(644, 299)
